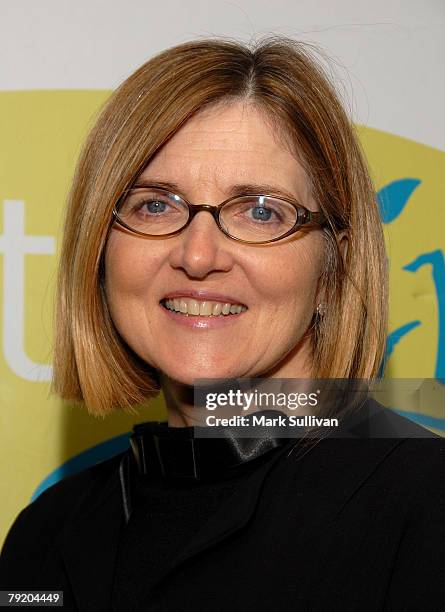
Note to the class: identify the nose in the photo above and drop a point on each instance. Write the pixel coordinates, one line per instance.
(202, 248)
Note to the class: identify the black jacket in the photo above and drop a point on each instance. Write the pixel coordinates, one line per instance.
(347, 524)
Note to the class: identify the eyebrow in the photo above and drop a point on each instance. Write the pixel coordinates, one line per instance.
(233, 191)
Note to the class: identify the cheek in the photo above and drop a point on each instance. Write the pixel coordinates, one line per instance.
(129, 278)
(292, 276)
(128, 270)
(129, 281)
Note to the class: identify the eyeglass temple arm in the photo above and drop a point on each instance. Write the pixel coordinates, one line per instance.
(314, 217)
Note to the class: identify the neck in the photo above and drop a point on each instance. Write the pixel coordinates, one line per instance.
(184, 411)
(179, 401)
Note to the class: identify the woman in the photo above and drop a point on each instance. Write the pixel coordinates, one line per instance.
(285, 278)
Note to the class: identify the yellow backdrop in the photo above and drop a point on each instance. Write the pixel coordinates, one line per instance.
(42, 438)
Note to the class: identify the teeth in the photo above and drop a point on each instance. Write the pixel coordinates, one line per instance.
(193, 307)
(217, 309)
(203, 308)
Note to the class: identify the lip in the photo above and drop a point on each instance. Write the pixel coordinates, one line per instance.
(202, 294)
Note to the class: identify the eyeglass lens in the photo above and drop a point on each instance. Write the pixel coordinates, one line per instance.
(251, 218)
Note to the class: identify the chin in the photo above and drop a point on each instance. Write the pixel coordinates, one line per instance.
(187, 375)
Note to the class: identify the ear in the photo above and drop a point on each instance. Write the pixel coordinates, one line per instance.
(342, 239)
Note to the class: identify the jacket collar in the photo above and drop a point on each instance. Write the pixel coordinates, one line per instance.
(189, 453)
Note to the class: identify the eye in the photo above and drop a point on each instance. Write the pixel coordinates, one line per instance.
(152, 211)
(153, 206)
(258, 217)
(149, 203)
(261, 213)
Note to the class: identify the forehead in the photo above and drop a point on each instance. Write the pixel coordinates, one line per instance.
(224, 145)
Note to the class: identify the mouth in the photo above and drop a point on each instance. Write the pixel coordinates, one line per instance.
(190, 307)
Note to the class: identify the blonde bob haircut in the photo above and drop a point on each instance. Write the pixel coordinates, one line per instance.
(285, 79)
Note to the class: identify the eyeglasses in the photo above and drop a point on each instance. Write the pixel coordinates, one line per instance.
(251, 218)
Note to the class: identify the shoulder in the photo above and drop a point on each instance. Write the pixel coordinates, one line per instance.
(373, 420)
(45, 517)
(409, 449)
(414, 452)
(67, 495)
(377, 449)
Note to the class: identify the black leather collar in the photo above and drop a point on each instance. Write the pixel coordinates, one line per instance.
(179, 452)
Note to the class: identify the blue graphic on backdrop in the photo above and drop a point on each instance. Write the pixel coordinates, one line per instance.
(392, 200)
(437, 262)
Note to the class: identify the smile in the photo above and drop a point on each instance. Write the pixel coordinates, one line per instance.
(202, 308)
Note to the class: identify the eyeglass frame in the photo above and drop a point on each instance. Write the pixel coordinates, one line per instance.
(309, 216)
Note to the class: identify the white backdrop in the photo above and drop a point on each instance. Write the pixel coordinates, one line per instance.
(393, 50)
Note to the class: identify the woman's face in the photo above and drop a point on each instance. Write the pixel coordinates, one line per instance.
(217, 149)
